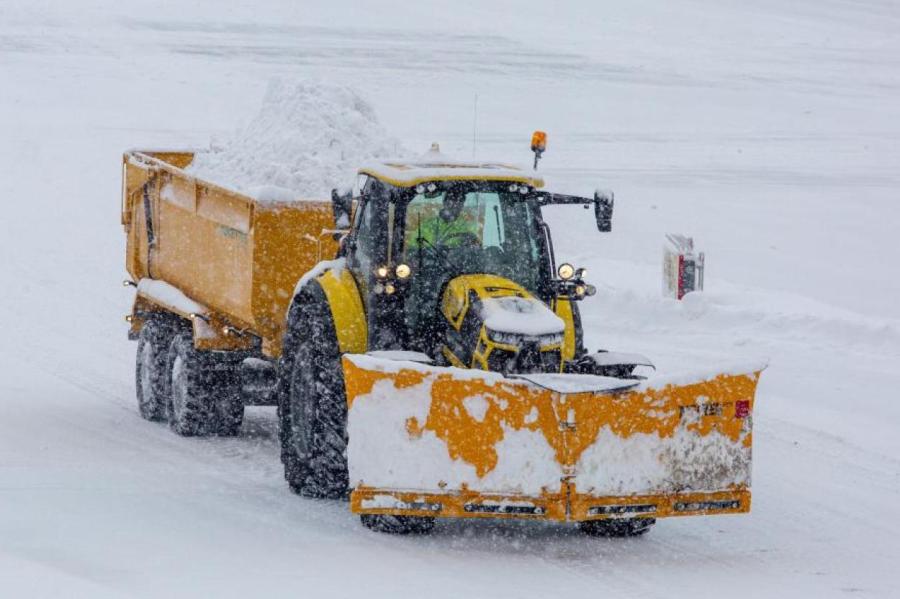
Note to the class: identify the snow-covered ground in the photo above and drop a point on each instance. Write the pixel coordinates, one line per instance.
(768, 130)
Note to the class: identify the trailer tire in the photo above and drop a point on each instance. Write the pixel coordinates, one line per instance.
(629, 527)
(229, 406)
(151, 372)
(398, 525)
(313, 404)
(204, 398)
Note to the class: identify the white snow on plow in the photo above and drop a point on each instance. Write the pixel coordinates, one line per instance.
(382, 452)
(645, 463)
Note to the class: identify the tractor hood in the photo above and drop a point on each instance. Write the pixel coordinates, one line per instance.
(496, 324)
(526, 316)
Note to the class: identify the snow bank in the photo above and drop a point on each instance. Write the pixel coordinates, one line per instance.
(308, 138)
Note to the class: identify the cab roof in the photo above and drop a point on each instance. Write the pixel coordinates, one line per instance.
(434, 166)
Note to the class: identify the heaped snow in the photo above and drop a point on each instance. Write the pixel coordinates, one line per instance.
(769, 131)
(307, 138)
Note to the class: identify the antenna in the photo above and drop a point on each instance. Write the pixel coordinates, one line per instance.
(474, 125)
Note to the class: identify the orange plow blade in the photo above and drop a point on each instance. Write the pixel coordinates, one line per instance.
(427, 440)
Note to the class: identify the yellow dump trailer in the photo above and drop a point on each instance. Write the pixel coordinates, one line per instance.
(236, 257)
(424, 349)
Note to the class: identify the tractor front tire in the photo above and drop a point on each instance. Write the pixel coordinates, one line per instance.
(398, 525)
(313, 405)
(626, 527)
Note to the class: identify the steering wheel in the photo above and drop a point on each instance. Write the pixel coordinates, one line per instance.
(465, 239)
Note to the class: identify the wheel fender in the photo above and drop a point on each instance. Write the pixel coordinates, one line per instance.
(568, 311)
(337, 288)
(347, 312)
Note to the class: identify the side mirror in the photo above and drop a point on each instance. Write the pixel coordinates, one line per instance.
(603, 210)
(342, 206)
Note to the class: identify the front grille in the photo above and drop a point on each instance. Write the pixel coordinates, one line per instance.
(501, 360)
(529, 358)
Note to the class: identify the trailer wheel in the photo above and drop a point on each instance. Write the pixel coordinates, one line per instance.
(151, 374)
(630, 527)
(314, 406)
(398, 525)
(205, 398)
(229, 409)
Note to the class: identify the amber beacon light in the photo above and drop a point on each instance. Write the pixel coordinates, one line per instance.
(538, 145)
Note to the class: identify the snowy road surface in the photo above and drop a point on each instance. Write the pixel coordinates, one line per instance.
(768, 130)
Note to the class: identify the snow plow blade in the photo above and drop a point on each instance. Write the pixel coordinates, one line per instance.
(450, 442)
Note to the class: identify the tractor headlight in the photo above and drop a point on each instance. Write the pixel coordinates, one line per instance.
(402, 271)
(381, 272)
(565, 271)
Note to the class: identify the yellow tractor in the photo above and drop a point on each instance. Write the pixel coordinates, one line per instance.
(429, 361)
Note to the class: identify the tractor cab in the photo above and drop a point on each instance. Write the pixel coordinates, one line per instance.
(439, 248)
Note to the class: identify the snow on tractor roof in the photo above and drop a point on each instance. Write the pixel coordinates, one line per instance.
(435, 166)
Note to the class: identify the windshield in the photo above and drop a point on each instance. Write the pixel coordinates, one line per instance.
(468, 229)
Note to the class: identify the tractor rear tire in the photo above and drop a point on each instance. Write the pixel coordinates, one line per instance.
(151, 369)
(398, 525)
(313, 406)
(629, 527)
(205, 395)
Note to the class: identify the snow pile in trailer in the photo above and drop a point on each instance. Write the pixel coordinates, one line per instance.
(308, 138)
